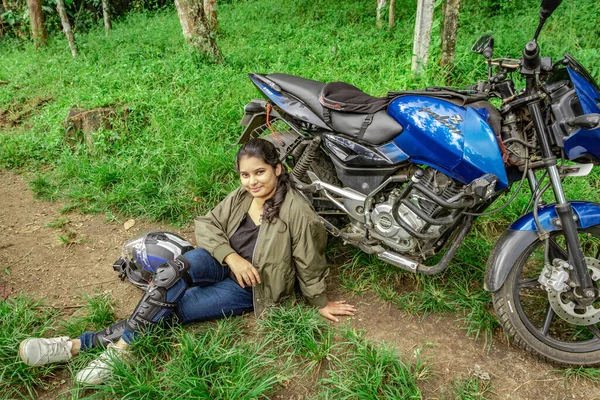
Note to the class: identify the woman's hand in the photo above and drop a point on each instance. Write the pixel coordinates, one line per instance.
(334, 308)
(244, 272)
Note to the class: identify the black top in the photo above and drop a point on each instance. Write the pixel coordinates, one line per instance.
(243, 241)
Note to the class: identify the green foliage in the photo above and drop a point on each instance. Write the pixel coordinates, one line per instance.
(222, 359)
(300, 331)
(83, 14)
(229, 366)
(170, 157)
(366, 370)
(43, 188)
(98, 312)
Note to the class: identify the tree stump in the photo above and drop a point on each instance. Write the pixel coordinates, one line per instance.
(81, 124)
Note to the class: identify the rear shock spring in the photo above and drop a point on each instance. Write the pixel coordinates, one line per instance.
(306, 158)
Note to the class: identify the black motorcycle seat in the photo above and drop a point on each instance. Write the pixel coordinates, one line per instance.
(304, 89)
(383, 128)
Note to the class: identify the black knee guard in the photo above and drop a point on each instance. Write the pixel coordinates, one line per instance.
(112, 334)
(155, 298)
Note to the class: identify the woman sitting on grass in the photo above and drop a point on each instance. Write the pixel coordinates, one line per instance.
(253, 248)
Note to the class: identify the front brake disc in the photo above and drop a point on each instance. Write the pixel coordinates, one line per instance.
(572, 312)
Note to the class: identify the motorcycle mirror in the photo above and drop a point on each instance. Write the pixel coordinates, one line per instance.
(548, 7)
(484, 46)
(546, 10)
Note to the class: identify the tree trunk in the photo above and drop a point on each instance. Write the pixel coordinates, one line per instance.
(380, 6)
(60, 5)
(422, 38)
(210, 11)
(195, 28)
(392, 18)
(106, 15)
(449, 32)
(38, 32)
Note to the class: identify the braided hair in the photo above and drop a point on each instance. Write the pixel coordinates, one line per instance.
(266, 151)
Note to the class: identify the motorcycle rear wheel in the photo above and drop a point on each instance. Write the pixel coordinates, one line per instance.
(525, 311)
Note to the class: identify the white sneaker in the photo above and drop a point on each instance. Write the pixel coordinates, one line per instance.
(40, 351)
(102, 367)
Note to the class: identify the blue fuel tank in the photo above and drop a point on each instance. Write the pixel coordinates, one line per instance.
(453, 139)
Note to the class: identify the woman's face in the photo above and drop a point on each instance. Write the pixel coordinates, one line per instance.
(258, 177)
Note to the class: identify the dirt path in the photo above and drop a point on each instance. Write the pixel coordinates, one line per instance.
(41, 265)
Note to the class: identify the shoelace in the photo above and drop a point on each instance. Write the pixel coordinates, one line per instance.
(58, 347)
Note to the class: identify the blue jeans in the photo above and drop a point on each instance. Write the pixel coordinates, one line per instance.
(212, 296)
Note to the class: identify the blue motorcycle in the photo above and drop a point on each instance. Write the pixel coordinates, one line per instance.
(410, 172)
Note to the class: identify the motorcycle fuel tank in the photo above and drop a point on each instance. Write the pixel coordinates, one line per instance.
(584, 141)
(453, 139)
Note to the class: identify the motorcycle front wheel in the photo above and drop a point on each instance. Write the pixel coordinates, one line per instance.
(553, 327)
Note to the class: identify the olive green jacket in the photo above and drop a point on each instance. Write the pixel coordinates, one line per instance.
(291, 247)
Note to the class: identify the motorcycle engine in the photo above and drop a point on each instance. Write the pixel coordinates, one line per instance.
(387, 228)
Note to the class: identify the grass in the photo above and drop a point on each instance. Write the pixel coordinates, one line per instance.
(365, 370)
(22, 317)
(225, 359)
(300, 332)
(69, 238)
(573, 375)
(458, 291)
(58, 223)
(96, 314)
(170, 157)
(469, 388)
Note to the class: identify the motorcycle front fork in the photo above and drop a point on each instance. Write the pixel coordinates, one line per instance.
(566, 217)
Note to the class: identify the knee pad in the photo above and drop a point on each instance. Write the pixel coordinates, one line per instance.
(155, 300)
(169, 273)
(109, 335)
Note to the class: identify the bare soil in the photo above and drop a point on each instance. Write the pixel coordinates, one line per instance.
(34, 260)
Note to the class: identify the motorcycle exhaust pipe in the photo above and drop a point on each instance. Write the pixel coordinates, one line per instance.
(398, 261)
(352, 195)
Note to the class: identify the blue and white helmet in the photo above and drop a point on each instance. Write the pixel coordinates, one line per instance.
(146, 252)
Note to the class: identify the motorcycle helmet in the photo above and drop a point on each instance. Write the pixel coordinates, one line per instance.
(144, 253)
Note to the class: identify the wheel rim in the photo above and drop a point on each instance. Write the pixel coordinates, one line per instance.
(532, 302)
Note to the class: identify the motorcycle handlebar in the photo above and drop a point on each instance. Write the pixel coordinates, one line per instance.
(506, 63)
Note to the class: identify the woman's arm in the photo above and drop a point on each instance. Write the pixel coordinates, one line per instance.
(309, 241)
(211, 229)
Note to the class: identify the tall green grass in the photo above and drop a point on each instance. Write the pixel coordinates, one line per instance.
(171, 158)
(366, 370)
(225, 359)
(21, 317)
